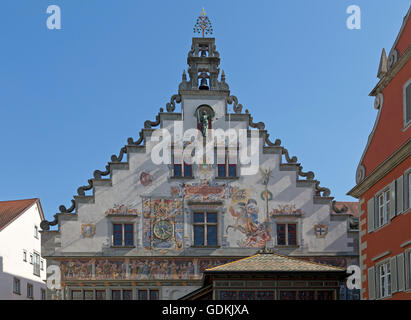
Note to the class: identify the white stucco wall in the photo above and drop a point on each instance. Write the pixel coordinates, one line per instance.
(14, 239)
(126, 189)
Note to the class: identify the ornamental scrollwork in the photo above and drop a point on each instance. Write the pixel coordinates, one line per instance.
(114, 158)
(309, 175)
(336, 210)
(236, 106)
(63, 209)
(322, 191)
(287, 157)
(171, 106)
(81, 191)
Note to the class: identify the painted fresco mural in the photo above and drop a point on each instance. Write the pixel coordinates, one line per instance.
(246, 223)
(138, 268)
(163, 223)
(245, 213)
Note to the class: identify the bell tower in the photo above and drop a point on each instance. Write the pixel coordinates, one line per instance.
(203, 62)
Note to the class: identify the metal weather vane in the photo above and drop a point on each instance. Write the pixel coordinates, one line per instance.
(203, 24)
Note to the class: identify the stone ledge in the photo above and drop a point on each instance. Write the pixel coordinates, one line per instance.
(119, 165)
(84, 199)
(102, 182)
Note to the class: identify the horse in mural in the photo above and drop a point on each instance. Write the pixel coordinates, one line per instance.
(245, 216)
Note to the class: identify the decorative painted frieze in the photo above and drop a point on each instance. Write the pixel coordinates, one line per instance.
(138, 268)
(286, 209)
(122, 209)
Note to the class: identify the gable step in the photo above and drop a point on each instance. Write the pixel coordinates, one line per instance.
(289, 166)
(136, 149)
(322, 200)
(102, 182)
(119, 165)
(305, 183)
(84, 199)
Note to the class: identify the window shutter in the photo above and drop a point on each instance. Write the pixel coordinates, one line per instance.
(394, 285)
(392, 200)
(407, 115)
(407, 271)
(399, 194)
(371, 283)
(377, 282)
(400, 272)
(370, 214)
(406, 192)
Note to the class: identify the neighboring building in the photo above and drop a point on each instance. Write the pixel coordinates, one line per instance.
(270, 276)
(22, 269)
(141, 230)
(384, 179)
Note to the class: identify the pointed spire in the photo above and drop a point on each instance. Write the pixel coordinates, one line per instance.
(382, 68)
(184, 75)
(222, 76)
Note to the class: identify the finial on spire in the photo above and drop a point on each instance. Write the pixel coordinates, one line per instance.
(203, 24)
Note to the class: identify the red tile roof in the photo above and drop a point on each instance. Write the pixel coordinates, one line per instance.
(352, 207)
(10, 210)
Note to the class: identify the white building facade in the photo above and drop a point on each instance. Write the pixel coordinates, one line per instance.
(22, 269)
(147, 230)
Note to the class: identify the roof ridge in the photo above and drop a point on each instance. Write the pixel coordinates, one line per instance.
(3, 201)
(311, 262)
(228, 263)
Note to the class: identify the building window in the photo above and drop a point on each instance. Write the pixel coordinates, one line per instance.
(222, 170)
(180, 167)
(42, 265)
(148, 294)
(383, 208)
(24, 255)
(115, 294)
(288, 295)
(29, 291)
(325, 295)
(31, 258)
(88, 295)
(179, 172)
(307, 295)
(127, 294)
(76, 295)
(246, 295)
(384, 279)
(123, 234)
(36, 264)
(16, 286)
(286, 234)
(407, 103)
(36, 232)
(232, 170)
(228, 167)
(100, 294)
(205, 228)
(43, 294)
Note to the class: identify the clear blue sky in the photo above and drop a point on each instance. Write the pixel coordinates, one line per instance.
(70, 98)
